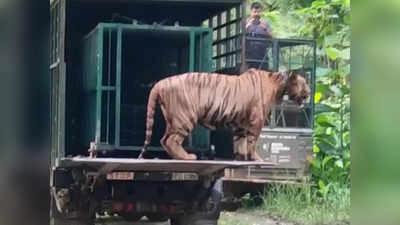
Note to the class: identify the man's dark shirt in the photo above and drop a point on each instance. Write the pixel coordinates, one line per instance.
(257, 49)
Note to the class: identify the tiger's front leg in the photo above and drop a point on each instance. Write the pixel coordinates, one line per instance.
(252, 148)
(253, 133)
(240, 146)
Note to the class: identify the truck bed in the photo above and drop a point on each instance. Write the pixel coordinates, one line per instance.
(106, 165)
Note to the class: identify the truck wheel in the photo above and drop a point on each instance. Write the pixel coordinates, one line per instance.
(209, 217)
(56, 218)
(72, 222)
(131, 217)
(156, 217)
(257, 198)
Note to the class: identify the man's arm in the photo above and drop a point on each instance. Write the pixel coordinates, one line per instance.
(268, 30)
(248, 22)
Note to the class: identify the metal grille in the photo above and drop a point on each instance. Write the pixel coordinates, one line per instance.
(119, 63)
(288, 55)
(227, 38)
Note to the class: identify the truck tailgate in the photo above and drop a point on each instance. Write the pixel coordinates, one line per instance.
(106, 165)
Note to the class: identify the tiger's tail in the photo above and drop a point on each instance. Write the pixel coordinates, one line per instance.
(151, 107)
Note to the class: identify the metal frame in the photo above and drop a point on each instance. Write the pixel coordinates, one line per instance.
(202, 167)
(58, 77)
(276, 45)
(58, 119)
(193, 32)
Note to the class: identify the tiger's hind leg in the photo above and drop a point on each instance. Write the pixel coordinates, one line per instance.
(172, 140)
(172, 143)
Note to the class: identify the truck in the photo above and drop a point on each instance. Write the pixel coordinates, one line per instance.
(105, 56)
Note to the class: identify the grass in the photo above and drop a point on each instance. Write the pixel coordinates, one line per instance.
(305, 206)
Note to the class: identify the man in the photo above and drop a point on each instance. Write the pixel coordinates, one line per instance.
(256, 28)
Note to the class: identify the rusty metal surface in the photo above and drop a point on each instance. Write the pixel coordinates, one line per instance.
(106, 165)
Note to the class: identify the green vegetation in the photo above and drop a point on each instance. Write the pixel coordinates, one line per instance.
(305, 206)
(327, 200)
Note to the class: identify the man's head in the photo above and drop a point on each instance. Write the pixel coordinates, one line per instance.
(256, 10)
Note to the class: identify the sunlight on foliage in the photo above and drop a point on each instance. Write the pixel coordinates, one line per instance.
(327, 22)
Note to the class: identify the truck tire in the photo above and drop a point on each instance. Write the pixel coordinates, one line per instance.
(131, 217)
(211, 216)
(72, 222)
(56, 218)
(156, 217)
(257, 198)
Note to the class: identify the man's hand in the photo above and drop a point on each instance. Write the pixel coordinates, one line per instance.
(249, 22)
(269, 34)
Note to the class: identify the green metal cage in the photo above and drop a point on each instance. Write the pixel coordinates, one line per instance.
(289, 55)
(120, 63)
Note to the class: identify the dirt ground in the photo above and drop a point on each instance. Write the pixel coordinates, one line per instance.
(248, 218)
(227, 218)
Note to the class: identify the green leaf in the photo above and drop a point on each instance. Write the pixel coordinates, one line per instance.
(345, 54)
(346, 19)
(272, 16)
(347, 165)
(337, 2)
(324, 121)
(322, 185)
(332, 53)
(346, 154)
(317, 97)
(339, 163)
(318, 4)
(326, 160)
(346, 137)
(345, 90)
(321, 108)
(316, 149)
(332, 40)
(323, 88)
(316, 164)
(334, 16)
(327, 147)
